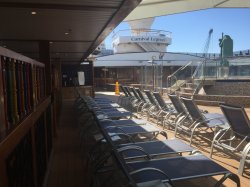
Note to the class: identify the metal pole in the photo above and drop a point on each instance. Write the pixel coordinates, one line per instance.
(153, 74)
(145, 76)
(161, 81)
(141, 75)
(105, 78)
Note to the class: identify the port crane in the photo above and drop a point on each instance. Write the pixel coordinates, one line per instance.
(206, 46)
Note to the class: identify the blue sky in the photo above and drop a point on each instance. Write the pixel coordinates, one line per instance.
(190, 30)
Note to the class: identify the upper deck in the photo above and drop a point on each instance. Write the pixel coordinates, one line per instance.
(141, 40)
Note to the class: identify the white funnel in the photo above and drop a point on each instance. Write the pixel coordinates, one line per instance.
(143, 24)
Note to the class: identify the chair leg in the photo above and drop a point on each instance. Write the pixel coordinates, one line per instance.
(164, 121)
(158, 117)
(231, 176)
(166, 117)
(217, 136)
(179, 122)
(212, 147)
(192, 132)
(243, 158)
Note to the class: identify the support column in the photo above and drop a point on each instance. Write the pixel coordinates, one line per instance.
(3, 120)
(44, 56)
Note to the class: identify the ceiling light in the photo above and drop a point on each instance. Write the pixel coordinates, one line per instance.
(68, 32)
(85, 63)
(33, 13)
(50, 42)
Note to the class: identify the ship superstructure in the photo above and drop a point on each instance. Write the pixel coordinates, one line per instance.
(140, 38)
(141, 53)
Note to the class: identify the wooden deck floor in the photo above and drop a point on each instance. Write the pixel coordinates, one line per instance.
(68, 166)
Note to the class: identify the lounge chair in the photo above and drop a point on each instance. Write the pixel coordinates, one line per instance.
(128, 128)
(111, 112)
(85, 119)
(124, 100)
(146, 183)
(138, 103)
(165, 109)
(146, 130)
(236, 138)
(179, 169)
(85, 102)
(117, 135)
(145, 103)
(124, 122)
(134, 99)
(200, 122)
(140, 95)
(138, 132)
(154, 109)
(178, 115)
(154, 149)
(107, 111)
(117, 174)
(166, 170)
(173, 169)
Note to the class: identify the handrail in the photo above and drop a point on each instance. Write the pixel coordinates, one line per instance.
(174, 77)
(199, 79)
(197, 69)
(180, 69)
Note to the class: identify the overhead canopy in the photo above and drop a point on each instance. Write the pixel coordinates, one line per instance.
(72, 28)
(154, 8)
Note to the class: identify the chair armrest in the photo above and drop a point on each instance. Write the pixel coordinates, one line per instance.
(153, 170)
(163, 133)
(153, 183)
(134, 147)
(231, 176)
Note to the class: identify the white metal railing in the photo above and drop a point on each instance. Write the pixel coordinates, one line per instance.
(234, 68)
(142, 32)
(184, 73)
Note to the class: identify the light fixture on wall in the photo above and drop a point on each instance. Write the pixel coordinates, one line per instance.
(68, 32)
(85, 63)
